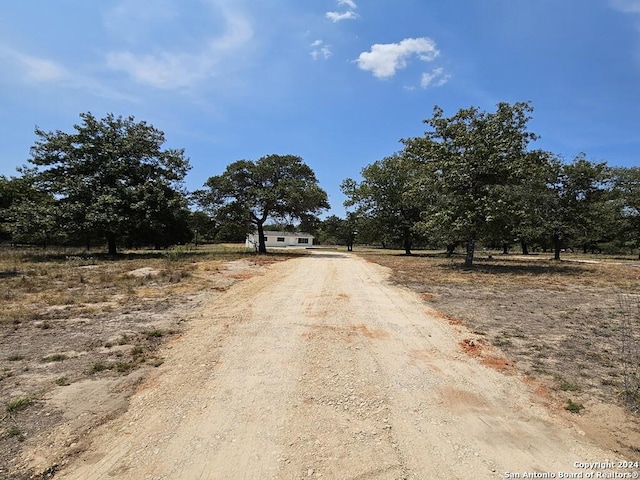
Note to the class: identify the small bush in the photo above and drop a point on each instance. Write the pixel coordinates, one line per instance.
(573, 407)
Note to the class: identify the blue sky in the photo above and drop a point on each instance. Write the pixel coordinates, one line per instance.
(337, 82)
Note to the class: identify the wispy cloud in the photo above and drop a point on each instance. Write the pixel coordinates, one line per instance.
(349, 14)
(43, 71)
(436, 78)
(384, 60)
(319, 49)
(348, 3)
(627, 6)
(35, 69)
(184, 68)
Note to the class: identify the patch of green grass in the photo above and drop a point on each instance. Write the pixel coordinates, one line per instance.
(18, 405)
(566, 386)
(573, 407)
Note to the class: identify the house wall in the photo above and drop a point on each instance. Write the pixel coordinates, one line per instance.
(286, 240)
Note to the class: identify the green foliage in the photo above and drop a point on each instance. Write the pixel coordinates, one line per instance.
(18, 405)
(277, 187)
(573, 407)
(338, 231)
(472, 164)
(110, 177)
(383, 197)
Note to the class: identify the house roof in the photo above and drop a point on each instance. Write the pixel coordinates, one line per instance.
(274, 233)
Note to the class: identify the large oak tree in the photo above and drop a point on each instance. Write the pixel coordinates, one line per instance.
(470, 163)
(276, 187)
(111, 176)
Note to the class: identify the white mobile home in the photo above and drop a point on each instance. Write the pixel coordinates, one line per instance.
(280, 239)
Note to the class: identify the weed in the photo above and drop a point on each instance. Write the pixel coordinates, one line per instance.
(124, 367)
(136, 351)
(15, 358)
(58, 357)
(18, 405)
(573, 407)
(569, 387)
(154, 333)
(15, 432)
(98, 367)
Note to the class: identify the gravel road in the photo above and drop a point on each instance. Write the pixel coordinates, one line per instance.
(319, 367)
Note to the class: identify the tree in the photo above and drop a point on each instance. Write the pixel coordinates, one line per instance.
(471, 162)
(111, 176)
(277, 187)
(341, 231)
(576, 210)
(382, 196)
(626, 184)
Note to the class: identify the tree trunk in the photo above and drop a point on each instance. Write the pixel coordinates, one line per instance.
(471, 247)
(111, 242)
(556, 245)
(406, 240)
(262, 248)
(525, 247)
(451, 248)
(505, 248)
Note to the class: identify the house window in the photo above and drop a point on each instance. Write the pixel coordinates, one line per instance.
(303, 240)
(280, 239)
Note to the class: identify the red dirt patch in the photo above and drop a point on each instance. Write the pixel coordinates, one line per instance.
(451, 319)
(498, 363)
(472, 347)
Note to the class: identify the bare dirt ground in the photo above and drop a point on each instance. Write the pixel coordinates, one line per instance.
(320, 367)
(79, 332)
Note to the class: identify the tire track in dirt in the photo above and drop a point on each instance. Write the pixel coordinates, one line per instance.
(319, 368)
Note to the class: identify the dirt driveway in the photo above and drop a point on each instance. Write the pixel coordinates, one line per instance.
(320, 368)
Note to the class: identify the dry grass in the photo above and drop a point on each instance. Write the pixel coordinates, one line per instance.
(561, 322)
(68, 316)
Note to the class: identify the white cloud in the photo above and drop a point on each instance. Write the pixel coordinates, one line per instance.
(384, 60)
(36, 69)
(349, 14)
(184, 68)
(320, 50)
(337, 16)
(41, 70)
(349, 3)
(627, 6)
(436, 78)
